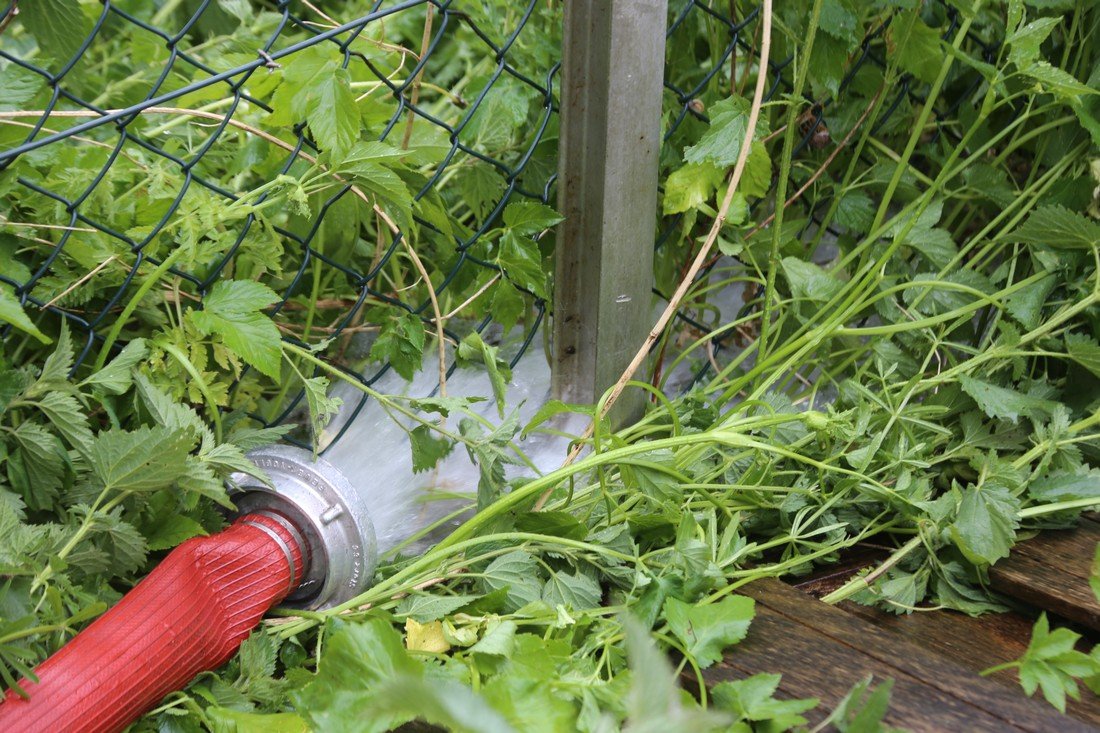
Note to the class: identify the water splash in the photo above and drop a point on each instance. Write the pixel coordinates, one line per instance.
(376, 457)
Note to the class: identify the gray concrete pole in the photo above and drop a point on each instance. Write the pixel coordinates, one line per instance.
(612, 81)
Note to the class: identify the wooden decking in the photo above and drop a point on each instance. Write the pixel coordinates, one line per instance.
(934, 658)
(1051, 572)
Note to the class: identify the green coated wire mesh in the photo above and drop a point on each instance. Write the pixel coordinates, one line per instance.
(152, 151)
(376, 166)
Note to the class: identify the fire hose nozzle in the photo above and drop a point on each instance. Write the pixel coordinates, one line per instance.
(316, 502)
(187, 616)
(305, 538)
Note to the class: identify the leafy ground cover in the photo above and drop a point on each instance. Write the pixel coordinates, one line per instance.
(916, 363)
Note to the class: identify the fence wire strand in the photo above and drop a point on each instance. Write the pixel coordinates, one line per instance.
(81, 113)
(185, 110)
(683, 105)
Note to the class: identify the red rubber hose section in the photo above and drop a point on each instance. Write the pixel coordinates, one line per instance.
(188, 616)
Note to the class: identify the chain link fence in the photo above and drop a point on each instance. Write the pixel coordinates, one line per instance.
(149, 129)
(152, 128)
(727, 66)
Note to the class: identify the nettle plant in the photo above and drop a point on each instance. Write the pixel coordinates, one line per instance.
(302, 201)
(914, 361)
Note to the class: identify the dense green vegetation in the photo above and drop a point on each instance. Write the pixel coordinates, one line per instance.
(917, 362)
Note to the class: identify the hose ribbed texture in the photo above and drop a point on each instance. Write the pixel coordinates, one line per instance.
(188, 616)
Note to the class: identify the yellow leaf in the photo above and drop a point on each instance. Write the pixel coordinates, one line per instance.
(425, 637)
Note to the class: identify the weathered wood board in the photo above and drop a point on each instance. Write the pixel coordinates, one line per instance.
(821, 651)
(1051, 571)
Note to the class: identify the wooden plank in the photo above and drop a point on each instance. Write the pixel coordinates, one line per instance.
(1047, 587)
(799, 637)
(813, 665)
(1069, 551)
(607, 191)
(976, 643)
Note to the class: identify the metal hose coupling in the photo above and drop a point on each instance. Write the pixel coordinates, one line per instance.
(318, 505)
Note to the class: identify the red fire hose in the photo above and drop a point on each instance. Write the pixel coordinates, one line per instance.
(188, 616)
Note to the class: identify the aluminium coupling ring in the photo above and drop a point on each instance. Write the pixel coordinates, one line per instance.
(316, 502)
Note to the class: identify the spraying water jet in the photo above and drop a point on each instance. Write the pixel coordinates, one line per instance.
(309, 539)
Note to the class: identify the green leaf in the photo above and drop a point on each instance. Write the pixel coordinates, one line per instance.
(499, 639)
(18, 87)
(521, 261)
(480, 187)
(333, 117)
(401, 343)
(125, 546)
(575, 591)
(706, 630)
(440, 702)
(861, 711)
(654, 703)
(56, 368)
(358, 659)
(232, 310)
(257, 655)
(985, 526)
(1066, 486)
(11, 311)
(1057, 226)
(427, 449)
(317, 89)
(1084, 350)
(382, 181)
(473, 348)
(425, 608)
(954, 587)
(1026, 304)
(13, 382)
(856, 212)
(36, 465)
(169, 531)
(501, 113)
(167, 412)
(226, 720)
(68, 417)
(251, 438)
(721, 143)
(141, 460)
(934, 244)
(530, 217)
(519, 574)
(1006, 404)
(1050, 4)
(59, 26)
(827, 64)
(117, 376)
(321, 406)
(370, 151)
(838, 20)
(808, 281)
(555, 524)
(757, 178)
(491, 452)
(199, 478)
(1057, 82)
(1053, 664)
(690, 186)
(507, 306)
(1024, 42)
(753, 699)
(918, 47)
